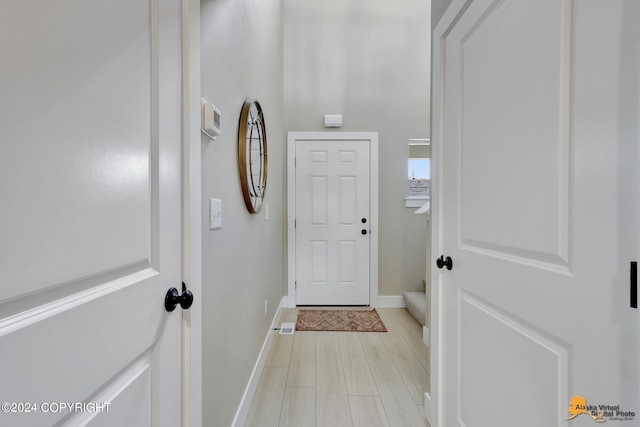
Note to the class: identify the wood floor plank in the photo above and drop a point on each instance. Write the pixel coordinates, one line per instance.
(410, 368)
(267, 401)
(299, 407)
(280, 352)
(398, 403)
(357, 374)
(411, 331)
(289, 315)
(386, 319)
(367, 411)
(371, 338)
(412, 321)
(302, 366)
(331, 392)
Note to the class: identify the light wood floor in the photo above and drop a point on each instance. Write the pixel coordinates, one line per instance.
(345, 378)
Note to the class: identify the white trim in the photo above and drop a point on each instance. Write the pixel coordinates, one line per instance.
(427, 407)
(451, 16)
(191, 215)
(389, 301)
(415, 201)
(419, 141)
(292, 137)
(45, 311)
(250, 390)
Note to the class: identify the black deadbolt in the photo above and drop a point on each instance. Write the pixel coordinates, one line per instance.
(364, 232)
(172, 299)
(364, 220)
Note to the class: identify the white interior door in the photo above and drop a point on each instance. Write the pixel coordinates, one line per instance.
(536, 205)
(332, 222)
(90, 131)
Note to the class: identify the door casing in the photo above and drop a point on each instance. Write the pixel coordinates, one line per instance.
(292, 137)
(191, 215)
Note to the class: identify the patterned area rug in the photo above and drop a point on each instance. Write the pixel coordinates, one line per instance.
(340, 320)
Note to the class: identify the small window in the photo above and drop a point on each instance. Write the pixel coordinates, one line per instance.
(419, 168)
(419, 164)
(418, 172)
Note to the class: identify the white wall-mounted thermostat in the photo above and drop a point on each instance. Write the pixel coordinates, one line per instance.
(211, 119)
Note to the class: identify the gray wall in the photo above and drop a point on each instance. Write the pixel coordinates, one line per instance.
(438, 7)
(368, 60)
(242, 262)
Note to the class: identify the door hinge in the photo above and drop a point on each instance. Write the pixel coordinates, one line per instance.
(633, 276)
(295, 223)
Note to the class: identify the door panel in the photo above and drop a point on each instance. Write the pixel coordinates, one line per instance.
(347, 263)
(332, 195)
(347, 209)
(57, 82)
(90, 184)
(533, 148)
(319, 200)
(523, 136)
(128, 407)
(533, 364)
(318, 258)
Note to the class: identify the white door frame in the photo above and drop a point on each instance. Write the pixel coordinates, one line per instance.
(292, 137)
(191, 216)
(448, 20)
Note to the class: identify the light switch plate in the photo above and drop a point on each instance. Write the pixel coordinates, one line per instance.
(215, 214)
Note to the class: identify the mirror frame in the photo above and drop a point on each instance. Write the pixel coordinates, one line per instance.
(252, 130)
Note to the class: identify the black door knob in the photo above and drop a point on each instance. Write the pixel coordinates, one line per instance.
(364, 232)
(173, 298)
(364, 220)
(444, 262)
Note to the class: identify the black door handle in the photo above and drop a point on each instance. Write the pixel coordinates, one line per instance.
(444, 262)
(172, 299)
(364, 232)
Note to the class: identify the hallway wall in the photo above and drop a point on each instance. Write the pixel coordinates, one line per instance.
(243, 262)
(438, 7)
(350, 57)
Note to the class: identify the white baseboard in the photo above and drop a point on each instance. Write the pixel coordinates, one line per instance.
(389, 301)
(245, 403)
(427, 407)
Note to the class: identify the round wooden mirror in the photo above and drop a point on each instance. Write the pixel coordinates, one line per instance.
(252, 155)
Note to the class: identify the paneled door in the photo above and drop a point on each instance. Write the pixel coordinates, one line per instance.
(536, 144)
(332, 222)
(90, 234)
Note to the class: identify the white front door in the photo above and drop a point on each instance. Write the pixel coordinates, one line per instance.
(332, 222)
(536, 143)
(90, 237)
